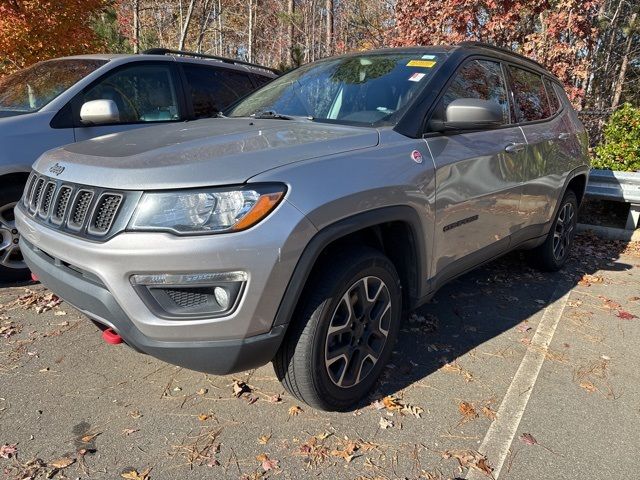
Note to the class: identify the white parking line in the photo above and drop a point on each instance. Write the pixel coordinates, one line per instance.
(500, 435)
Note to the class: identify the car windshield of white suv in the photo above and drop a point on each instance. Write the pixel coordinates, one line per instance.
(31, 89)
(365, 89)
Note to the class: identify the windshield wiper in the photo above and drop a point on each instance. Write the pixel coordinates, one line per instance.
(271, 114)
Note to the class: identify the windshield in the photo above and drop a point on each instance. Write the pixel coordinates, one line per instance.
(365, 89)
(32, 88)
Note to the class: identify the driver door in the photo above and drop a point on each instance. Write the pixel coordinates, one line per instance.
(478, 176)
(145, 94)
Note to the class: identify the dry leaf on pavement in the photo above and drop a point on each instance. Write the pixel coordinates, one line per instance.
(489, 413)
(295, 410)
(385, 423)
(528, 439)
(469, 459)
(61, 463)
(8, 451)
(134, 475)
(267, 463)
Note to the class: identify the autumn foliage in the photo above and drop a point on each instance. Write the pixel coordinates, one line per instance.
(34, 30)
(560, 35)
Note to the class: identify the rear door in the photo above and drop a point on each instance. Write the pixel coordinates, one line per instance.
(478, 176)
(210, 90)
(544, 126)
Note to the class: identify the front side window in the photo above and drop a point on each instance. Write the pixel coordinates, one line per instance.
(31, 89)
(214, 89)
(368, 90)
(530, 97)
(142, 93)
(481, 79)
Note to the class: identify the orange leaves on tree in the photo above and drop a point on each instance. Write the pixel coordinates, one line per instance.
(35, 30)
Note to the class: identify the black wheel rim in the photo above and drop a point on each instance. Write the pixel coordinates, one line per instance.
(358, 332)
(563, 232)
(10, 256)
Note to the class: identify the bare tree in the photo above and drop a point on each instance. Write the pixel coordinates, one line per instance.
(185, 25)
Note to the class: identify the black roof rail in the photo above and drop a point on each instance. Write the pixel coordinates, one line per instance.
(500, 49)
(168, 51)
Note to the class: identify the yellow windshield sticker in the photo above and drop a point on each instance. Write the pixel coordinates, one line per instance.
(421, 63)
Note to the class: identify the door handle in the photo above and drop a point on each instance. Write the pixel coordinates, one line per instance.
(514, 147)
(564, 136)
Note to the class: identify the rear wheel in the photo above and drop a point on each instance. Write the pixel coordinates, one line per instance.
(12, 266)
(554, 252)
(343, 332)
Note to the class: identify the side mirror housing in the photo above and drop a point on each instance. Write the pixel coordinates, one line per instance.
(470, 114)
(98, 112)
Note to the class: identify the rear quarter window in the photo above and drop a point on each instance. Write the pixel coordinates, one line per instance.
(554, 101)
(530, 97)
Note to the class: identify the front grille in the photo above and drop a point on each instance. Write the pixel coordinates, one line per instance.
(78, 209)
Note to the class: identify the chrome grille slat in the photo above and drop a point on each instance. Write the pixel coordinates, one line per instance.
(26, 197)
(35, 195)
(79, 209)
(61, 203)
(105, 213)
(45, 201)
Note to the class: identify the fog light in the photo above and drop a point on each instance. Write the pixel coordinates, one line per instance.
(222, 297)
(190, 296)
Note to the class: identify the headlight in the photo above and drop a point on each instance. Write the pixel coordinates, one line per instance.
(212, 210)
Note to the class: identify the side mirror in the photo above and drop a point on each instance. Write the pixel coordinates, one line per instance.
(97, 112)
(472, 114)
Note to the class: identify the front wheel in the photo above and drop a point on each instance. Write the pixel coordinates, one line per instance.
(554, 252)
(343, 331)
(12, 266)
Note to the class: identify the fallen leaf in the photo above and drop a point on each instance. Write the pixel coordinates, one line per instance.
(295, 410)
(61, 463)
(264, 439)
(60, 313)
(626, 315)
(468, 411)
(588, 386)
(202, 391)
(385, 423)
(8, 451)
(267, 463)
(489, 413)
(89, 438)
(134, 475)
(203, 417)
(239, 387)
(275, 398)
(523, 328)
(129, 431)
(469, 459)
(588, 280)
(528, 439)
(135, 414)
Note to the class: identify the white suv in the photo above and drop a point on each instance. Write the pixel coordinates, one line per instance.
(67, 100)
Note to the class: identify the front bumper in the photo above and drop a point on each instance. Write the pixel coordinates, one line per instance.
(95, 278)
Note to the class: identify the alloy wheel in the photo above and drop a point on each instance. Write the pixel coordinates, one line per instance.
(563, 233)
(10, 255)
(358, 332)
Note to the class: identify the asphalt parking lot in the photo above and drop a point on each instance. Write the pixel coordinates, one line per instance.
(508, 373)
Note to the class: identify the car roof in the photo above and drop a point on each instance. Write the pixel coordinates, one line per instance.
(131, 57)
(464, 49)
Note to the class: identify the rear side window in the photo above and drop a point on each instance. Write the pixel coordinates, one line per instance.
(530, 97)
(261, 80)
(480, 79)
(213, 89)
(553, 98)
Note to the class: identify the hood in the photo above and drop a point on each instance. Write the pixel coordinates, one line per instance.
(202, 153)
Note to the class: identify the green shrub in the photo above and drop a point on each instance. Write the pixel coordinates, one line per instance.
(620, 148)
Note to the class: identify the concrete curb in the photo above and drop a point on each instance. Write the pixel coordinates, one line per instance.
(610, 233)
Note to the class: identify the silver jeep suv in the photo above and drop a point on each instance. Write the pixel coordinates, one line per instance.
(298, 228)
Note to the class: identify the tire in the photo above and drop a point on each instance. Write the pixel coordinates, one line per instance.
(331, 370)
(554, 252)
(12, 266)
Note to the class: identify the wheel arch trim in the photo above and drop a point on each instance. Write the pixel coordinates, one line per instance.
(341, 229)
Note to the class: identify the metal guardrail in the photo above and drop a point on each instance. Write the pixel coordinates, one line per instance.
(618, 187)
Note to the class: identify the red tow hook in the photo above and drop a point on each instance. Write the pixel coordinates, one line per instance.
(34, 277)
(111, 337)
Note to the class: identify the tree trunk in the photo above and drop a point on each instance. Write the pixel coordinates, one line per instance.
(290, 13)
(617, 92)
(185, 25)
(136, 26)
(329, 40)
(250, 47)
